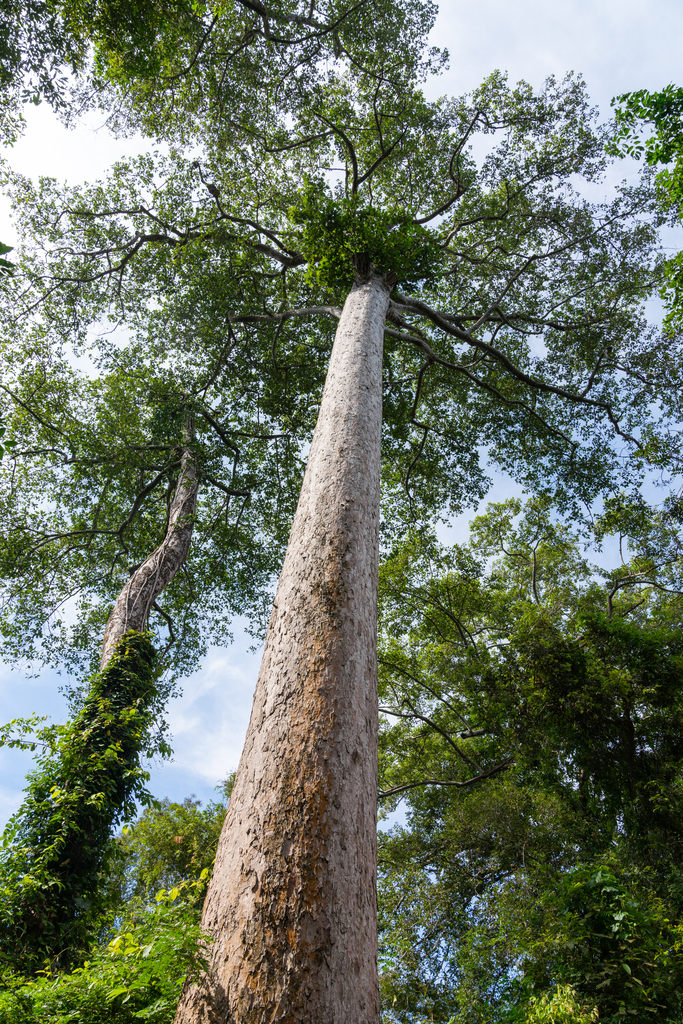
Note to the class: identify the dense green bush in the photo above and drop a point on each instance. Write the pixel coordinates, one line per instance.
(149, 943)
(334, 233)
(137, 976)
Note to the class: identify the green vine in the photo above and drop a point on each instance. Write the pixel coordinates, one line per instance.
(59, 843)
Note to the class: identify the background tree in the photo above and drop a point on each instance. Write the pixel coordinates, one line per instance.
(106, 453)
(170, 843)
(533, 731)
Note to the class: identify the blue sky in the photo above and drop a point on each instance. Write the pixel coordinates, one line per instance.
(618, 45)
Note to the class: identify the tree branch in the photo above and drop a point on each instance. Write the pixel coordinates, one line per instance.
(513, 402)
(432, 724)
(448, 782)
(503, 360)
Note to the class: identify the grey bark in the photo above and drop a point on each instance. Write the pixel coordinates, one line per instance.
(292, 903)
(132, 606)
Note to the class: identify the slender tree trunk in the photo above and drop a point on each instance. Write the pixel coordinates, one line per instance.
(292, 902)
(132, 606)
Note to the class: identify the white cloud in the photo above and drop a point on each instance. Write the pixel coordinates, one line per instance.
(209, 721)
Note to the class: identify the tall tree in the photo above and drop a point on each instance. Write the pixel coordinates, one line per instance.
(99, 479)
(300, 940)
(293, 918)
(516, 324)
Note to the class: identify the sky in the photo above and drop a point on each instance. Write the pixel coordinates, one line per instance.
(617, 45)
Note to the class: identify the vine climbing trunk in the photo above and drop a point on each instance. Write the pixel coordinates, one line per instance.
(133, 604)
(292, 902)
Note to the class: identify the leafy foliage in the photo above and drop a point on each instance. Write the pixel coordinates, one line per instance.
(650, 124)
(523, 338)
(168, 845)
(136, 976)
(610, 933)
(35, 50)
(337, 232)
(149, 940)
(86, 497)
(636, 111)
(560, 1008)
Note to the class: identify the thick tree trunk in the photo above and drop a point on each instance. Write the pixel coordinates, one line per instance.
(292, 901)
(132, 606)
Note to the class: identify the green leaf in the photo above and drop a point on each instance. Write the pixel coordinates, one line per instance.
(115, 993)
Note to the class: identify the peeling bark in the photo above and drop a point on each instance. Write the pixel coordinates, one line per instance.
(292, 902)
(132, 606)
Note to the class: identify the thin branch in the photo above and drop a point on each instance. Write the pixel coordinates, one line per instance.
(349, 147)
(512, 402)
(448, 782)
(205, 414)
(500, 357)
(141, 495)
(202, 43)
(421, 683)
(269, 318)
(31, 412)
(172, 638)
(432, 724)
(381, 158)
(230, 491)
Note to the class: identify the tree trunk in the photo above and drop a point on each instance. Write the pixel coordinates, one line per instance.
(292, 902)
(132, 606)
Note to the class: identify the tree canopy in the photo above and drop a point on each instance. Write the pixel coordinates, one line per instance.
(516, 329)
(650, 125)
